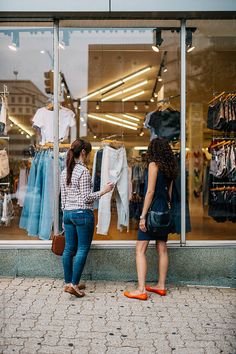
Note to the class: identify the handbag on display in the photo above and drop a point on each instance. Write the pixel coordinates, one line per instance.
(58, 244)
(159, 220)
(4, 164)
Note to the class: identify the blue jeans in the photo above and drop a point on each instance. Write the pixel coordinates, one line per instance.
(30, 191)
(79, 227)
(46, 212)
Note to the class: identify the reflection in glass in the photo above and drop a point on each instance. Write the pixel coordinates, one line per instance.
(115, 79)
(26, 54)
(211, 77)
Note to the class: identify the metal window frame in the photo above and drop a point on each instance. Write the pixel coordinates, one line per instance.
(183, 130)
(56, 185)
(22, 244)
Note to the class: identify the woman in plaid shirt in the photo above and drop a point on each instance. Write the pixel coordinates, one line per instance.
(77, 204)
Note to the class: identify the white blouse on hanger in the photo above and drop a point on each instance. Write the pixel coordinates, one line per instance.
(43, 119)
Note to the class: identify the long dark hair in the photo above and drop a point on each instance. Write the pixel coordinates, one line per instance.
(159, 151)
(74, 152)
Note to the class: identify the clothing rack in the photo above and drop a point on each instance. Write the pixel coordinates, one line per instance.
(113, 136)
(224, 183)
(224, 92)
(220, 94)
(224, 137)
(51, 145)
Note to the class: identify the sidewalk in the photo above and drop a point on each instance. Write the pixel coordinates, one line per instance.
(38, 317)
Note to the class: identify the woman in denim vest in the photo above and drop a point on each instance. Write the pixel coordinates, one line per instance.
(77, 205)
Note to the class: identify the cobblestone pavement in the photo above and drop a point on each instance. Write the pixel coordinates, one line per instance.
(38, 317)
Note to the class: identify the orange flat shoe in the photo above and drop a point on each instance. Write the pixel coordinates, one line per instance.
(137, 297)
(156, 291)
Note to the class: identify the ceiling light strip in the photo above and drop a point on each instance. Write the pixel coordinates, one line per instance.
(111, 96)
(135, 86)
(140, 72)
(125, 90)
(111, 122)
(90, 95)
(121, 120)
(132, 96)
(138, 148)
(117, 83)
(111, 86)
(131, 117)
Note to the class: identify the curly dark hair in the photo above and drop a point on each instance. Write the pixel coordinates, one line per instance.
(159, 151)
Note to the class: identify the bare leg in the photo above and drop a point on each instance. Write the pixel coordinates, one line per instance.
(141, 265)
(162, 264)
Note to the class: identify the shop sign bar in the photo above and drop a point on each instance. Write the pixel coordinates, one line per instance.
(61, 7)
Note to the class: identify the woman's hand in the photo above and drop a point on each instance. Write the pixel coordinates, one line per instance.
(142, 225)
(108, 187)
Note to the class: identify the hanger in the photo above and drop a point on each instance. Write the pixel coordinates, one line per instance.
(221, 143)
(168, 105)
(224, 188)
(227, 97)
(113, 143)
(51, 145)
(217, 97)
(50, 106)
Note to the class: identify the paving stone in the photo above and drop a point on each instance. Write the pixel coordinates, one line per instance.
(12, 349)
(114, 340)
(123, 350)
(74, 342)
(37, 316)
(81, 350)
(54, 350)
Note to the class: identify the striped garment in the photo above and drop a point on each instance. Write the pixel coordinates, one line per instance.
(78, 195)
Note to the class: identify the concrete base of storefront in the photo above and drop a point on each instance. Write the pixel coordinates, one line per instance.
(214, 266)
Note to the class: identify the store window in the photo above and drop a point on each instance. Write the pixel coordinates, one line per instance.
(24, 212)
(211, 127)
(111, 79)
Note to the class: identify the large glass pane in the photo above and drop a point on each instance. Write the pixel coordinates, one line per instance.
(211, 127)
(113, 78)
(25, 205)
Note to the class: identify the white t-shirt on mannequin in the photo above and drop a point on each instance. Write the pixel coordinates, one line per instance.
(43, 119)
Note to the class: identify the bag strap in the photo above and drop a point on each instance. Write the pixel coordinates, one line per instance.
(168, 201)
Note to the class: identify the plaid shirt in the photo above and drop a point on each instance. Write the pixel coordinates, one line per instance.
(78, 195)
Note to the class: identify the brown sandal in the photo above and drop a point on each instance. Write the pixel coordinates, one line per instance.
(81, 287)
(72, 291)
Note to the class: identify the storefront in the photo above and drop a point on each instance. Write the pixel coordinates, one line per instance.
(106, 76)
